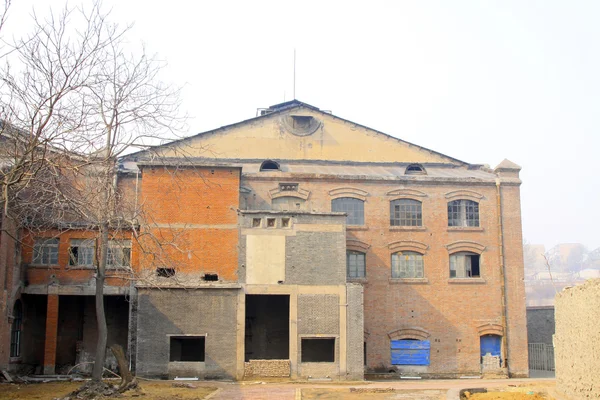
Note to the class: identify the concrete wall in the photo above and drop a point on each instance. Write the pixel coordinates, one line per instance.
(577, 340)
(208, 312)
(540, 324)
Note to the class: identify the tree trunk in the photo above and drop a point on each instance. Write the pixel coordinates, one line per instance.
(100, 315)
(127, 380)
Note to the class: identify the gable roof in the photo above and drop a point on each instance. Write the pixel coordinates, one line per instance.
(278, 109)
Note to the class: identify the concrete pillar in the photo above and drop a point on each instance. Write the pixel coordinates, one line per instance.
(51, 335)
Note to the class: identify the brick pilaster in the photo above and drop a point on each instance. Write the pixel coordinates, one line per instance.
(51, 335)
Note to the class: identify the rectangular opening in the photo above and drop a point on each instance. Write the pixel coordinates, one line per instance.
(187, 348)
(256, 222)
(285, 222)
(318, 350)
(211, 277)
(165, 272)
(267, 334)
(270, 222)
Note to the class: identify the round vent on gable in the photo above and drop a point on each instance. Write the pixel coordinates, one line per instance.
(300, 125)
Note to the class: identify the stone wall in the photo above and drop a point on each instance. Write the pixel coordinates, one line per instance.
(577, 340)
(267, 368)
(540, 324)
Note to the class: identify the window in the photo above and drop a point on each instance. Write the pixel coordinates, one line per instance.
(415, 169)
(15, 330)
(406, 212)
(256, 222)
(81, 252)
(410, 352)
(187, 348)
(45, 252)
(269, 165)
(464, 265)
(355, 208)
(407, 264)
(463, 213)
(165, 272)
(270, 222)
(119, 253)
(287, 203)
(355, 264)
(318, 349)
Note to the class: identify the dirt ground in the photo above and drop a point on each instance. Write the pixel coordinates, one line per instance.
(529, 395)
(375, 394)
(151, 390)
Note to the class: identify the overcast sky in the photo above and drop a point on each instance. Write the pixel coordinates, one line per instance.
(477, 80)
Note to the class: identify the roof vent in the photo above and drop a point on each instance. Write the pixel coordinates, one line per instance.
(415, 169)
(269, 165)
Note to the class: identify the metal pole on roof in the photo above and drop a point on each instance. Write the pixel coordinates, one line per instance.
(294, 73)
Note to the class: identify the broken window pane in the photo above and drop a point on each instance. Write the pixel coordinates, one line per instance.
(119, 253)
(355, 208)
(355, 264)
(406, 212)
(464, 265)
(407, 264)
(81, 252)
(463, 213)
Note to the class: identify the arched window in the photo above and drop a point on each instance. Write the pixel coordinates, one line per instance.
(356, 266)
(355, 208)
(406, 212)
(465, 264)
(463, 213)
(407, 264)
(269, 165)
(15, 330)
(415, 169)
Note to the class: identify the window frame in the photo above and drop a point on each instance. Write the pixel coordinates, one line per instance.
(463, 213)
(406, 217)
(349, 253)
(89, 247)
(352, 219)
(467, 269)
(45, 248)
(124, 247)
(418, 262)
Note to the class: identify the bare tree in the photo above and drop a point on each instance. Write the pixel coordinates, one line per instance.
(74, 100)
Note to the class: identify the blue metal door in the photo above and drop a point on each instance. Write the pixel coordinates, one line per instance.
(410, 352)
(490, 344)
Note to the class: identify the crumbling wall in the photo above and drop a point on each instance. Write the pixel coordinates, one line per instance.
(267, 368)
(577, 340)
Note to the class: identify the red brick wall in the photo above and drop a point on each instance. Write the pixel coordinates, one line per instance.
(190, 221)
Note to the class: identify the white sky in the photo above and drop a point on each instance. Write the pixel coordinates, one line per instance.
(477, 80)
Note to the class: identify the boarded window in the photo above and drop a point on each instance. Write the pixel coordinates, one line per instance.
(406, 212)
(81, 252)
(410, 352)
(318, 349)
(355, 264)
(407, 264)
(463, 213)
(464, 265)
(355, 208)
(45, 252)
(187, 348)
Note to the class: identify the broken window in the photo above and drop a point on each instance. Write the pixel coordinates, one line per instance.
(119, 253)
(301, 121)
(355, 208)
(165, 272)
(45, 252)
(463, 213)
(464, 265)
(406, 212)
(15, 330)
(355, 264)
(287, 203)
(187, 348)
(269, 165)
(318, 349)
(415, 169)
(407, 264)
(81, 252)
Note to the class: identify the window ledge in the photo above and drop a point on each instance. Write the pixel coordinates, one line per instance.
(357, 228)
(421, 281)
(469, 281)
(88, 267)
(356, 280)
(465, 229)
(43, 266)
(408, 228)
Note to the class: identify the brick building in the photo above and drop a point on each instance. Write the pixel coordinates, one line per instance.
(298, 243)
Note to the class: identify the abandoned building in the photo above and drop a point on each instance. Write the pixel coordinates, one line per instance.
(295, 243)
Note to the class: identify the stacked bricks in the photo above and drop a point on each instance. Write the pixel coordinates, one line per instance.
(267, 368)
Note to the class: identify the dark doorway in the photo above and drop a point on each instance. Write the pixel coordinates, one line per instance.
(267, 327)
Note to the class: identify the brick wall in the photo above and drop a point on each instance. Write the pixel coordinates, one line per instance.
(540, 324)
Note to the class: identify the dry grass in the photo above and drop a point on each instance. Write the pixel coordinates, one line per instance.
(151, 390)
(374, 394)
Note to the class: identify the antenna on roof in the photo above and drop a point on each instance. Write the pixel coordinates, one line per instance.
(294, 73)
